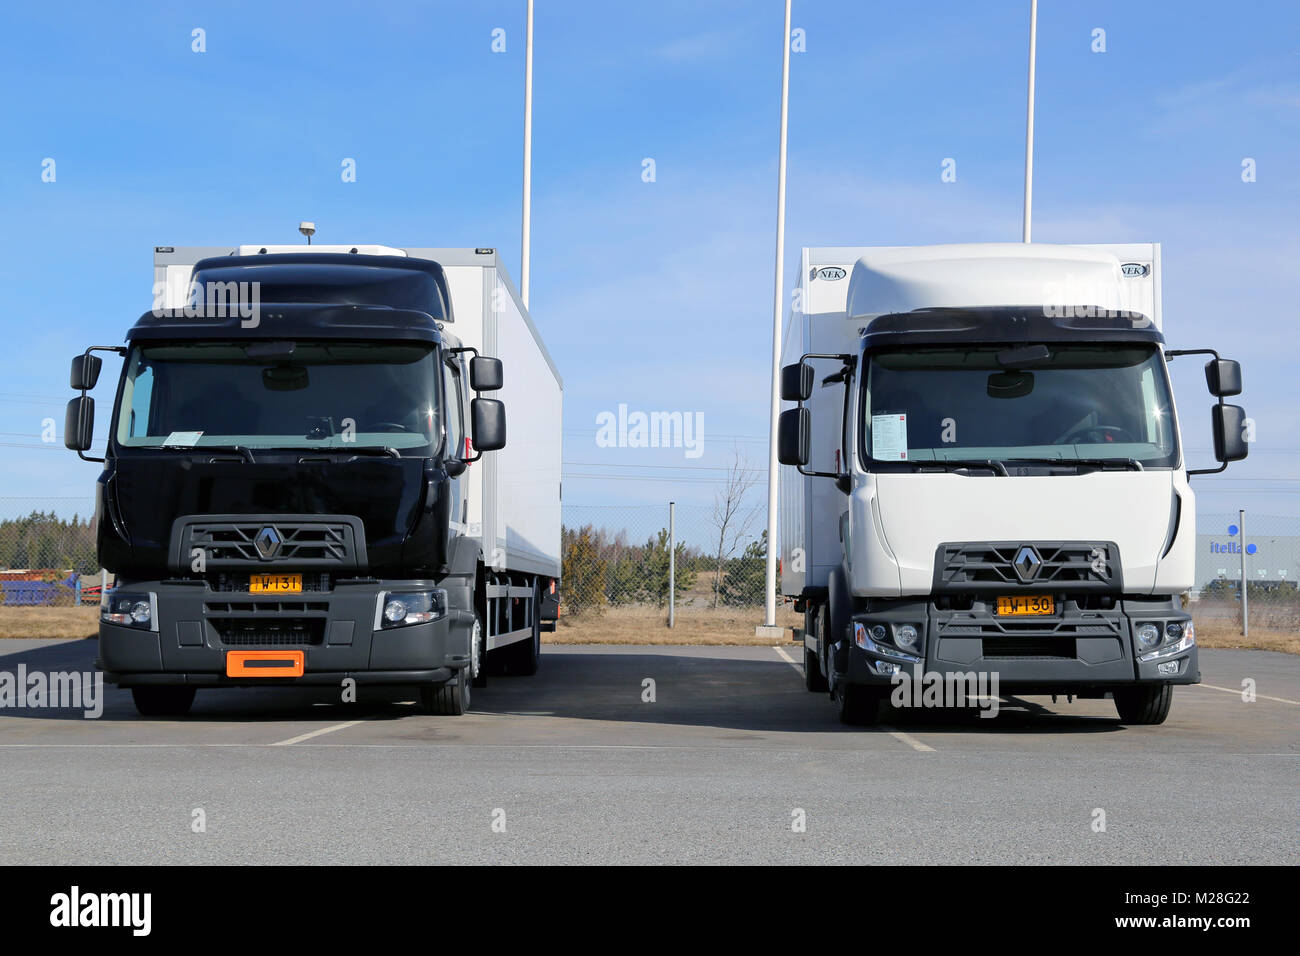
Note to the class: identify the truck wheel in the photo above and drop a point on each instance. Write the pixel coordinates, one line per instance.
(858, 705)
(162, 701)
(1144, 704)
(813, 678)
(478, 662)
(450, 699)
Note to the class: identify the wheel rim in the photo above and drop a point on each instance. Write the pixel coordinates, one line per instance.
(475, 638)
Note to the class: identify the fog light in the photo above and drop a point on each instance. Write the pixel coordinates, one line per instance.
(905, 636)
(886, 669)
(1168, 668)
(1148, 636)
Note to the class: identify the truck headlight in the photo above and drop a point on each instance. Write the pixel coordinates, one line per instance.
(905, 636)
(1148, 636)
(130, 609)
(411, 607)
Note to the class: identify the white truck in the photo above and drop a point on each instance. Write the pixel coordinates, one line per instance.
(304, 485)
(983, 477)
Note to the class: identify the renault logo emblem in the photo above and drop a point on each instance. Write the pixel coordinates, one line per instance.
(1027, 562)
(268, 543)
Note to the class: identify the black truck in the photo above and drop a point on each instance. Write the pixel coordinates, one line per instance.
(302, 483)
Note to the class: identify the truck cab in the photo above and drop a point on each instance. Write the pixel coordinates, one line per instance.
(989, 477)
(282, 499)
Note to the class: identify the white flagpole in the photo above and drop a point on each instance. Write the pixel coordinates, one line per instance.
(778, 297)
(528, 154)
(1029, 121)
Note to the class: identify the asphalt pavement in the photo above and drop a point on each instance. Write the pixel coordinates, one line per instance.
(723, 758)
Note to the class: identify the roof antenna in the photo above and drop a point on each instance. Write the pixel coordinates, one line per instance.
(308, 229)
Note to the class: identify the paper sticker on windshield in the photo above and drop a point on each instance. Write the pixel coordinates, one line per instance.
(182, 439)
(889, 437)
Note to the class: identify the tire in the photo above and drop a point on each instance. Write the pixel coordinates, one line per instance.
(450, 699)
(858, 706)
(813, 678)
(1145, 703)
(162, 701)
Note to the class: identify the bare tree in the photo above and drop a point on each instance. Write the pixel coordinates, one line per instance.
(732, 516)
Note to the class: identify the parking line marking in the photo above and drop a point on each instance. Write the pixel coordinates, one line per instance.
(907, 739)
(1237, 691)
(896, 734)
(788, 659)
(316, 733)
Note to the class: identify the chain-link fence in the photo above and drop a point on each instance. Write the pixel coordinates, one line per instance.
(1261, 550)
(47, 553)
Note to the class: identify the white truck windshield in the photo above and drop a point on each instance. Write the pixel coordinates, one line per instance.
(1069, 402)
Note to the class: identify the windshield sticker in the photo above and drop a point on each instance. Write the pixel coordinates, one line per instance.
(889, 437)
(182, 439)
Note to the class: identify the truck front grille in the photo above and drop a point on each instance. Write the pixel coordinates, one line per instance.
(244, 632)
(1020, 647)
(267, 542)
(984, 568)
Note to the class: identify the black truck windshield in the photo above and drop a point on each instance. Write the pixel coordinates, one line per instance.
(1066, 402)
(301, 395)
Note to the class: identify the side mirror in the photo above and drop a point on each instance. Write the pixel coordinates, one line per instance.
(484, 374)
(1223, 377)
(489, 422)
(796, 382)
(1228, 423)
(79, 423)
(792, 436)
(85, 371)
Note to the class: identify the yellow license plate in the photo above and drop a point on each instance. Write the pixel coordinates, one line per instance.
(274, 583)
(1026, 605)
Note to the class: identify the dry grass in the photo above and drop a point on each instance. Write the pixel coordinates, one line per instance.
(648, 625)
(49, 621)
(1217, 634)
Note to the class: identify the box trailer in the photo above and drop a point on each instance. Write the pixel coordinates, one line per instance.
(982, 472)
(305, 482)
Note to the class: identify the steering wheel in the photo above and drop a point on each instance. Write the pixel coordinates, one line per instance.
(386, 427)
(1096, 434)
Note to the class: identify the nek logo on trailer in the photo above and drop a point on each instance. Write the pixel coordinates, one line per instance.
(1134, 270)
(828, 272)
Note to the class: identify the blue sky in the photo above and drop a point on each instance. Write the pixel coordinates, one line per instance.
(657, 295)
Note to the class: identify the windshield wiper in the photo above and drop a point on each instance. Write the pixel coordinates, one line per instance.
(369, 450)
(240, 450)
(953, 464)
(1130, 464)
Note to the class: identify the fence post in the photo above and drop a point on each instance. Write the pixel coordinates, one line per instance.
(672, 563)
(1241, 529)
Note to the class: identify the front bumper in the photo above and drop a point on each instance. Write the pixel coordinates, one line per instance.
(335, 630)
(1073, 650)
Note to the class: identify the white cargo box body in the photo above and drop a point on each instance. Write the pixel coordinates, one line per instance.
(512, 496)
(840, 289)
